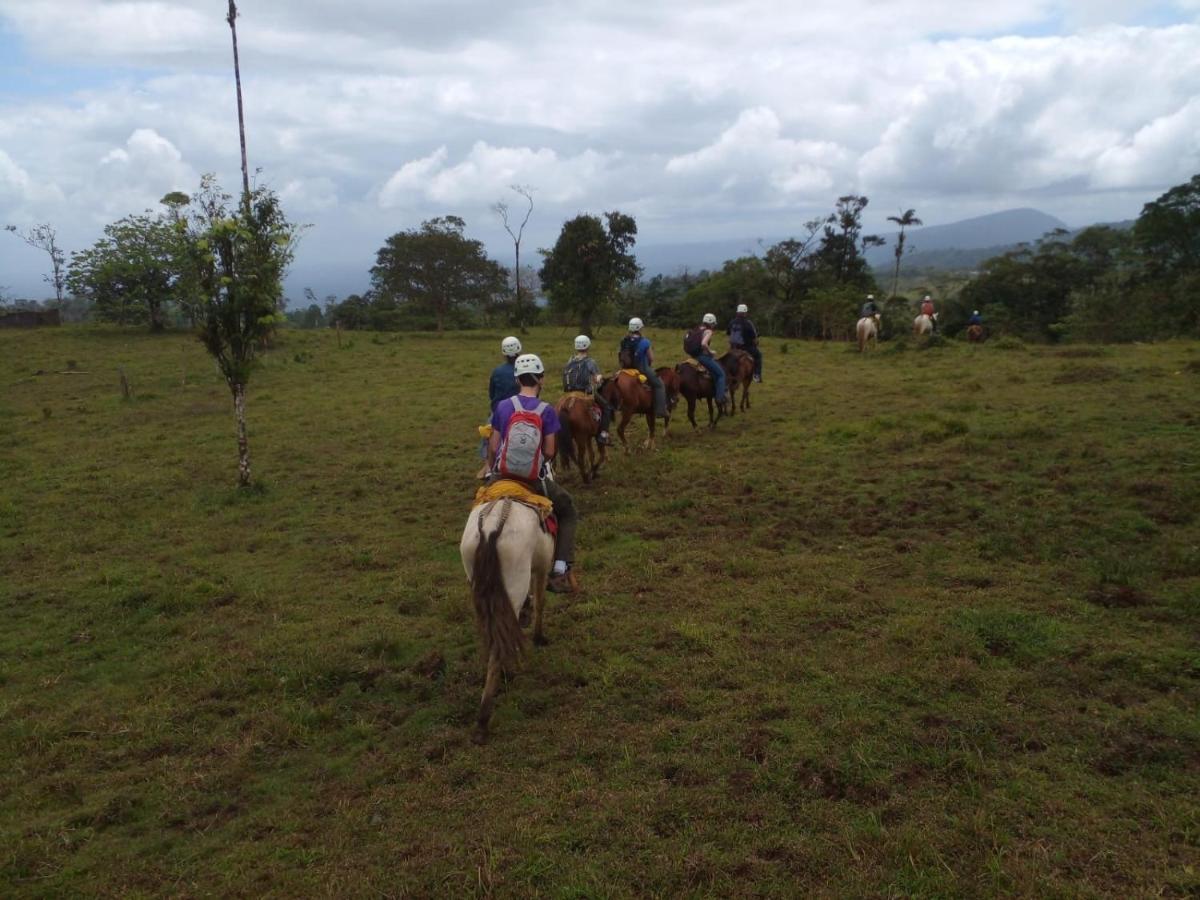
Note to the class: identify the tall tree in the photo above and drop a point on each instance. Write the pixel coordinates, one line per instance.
(44, 237)
(521, 312)
(842, 248)
(791, 265)
(435, 269)
(238, 258)
(588, 264)
(906, 219)
(231, 18)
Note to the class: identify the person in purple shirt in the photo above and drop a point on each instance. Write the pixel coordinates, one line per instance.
(530, 377)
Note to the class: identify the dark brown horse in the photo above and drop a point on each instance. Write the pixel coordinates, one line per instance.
(739, 370)
(577, 440)
(696, 384)
(629, 396)
(975, 334)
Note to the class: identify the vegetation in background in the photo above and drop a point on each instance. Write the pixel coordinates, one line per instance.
(45, 237)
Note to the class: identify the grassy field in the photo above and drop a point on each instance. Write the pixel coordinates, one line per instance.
(922, 623)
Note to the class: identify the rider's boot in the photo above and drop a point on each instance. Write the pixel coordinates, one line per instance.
(564, 583)
(603, 439)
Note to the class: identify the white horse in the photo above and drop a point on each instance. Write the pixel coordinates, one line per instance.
(868, 332)
(507, 555)
(923, 324)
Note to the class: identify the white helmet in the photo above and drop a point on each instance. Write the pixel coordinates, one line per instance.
(635, 324)
(927, 297)
(583, 342)
(975, 313)
(529, 364)
(510, 346)
(709, 319)
(743, 308)
(870, 296)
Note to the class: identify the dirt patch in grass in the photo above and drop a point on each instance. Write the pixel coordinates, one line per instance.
(1087, 374)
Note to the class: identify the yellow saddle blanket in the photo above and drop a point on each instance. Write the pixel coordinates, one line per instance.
(499, 490)
(635, 373)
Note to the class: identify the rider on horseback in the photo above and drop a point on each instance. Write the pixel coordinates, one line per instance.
(744, 336)
(530, 377)
(695, 345)
(870, 308)
(976, 318)
(636, 353)
(928, 310)
(582, 373)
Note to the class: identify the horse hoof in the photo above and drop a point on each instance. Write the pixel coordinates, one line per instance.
(541, 640)
(479, 736)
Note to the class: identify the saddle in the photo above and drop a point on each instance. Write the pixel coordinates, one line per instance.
(505, 488)
(635, 373)
(695, 364)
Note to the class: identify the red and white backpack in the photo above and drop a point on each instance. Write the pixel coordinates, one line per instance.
(520, 455)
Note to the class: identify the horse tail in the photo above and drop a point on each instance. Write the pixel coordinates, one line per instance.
(566, 443)
(498, 626)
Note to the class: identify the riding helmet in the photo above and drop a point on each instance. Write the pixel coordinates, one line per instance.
(709, 319)
(510, 346)
(583, 342)
(635, 324)
(743, 308)
(529, 364)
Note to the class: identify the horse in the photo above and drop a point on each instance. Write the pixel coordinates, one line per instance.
(739, 370)
(975, 333)
(923, 325)
(628, 395)
(868, 332)
(696, 384)
(577, 440)
(506, 554)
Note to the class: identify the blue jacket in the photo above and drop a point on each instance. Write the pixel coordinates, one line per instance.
(503, 384)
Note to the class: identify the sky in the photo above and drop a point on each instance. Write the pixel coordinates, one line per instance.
(704, 120)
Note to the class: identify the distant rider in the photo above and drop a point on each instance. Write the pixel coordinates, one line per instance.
(696, 345)
(976, 319)
(530, 378)
(870, 308)
(636, 353)
(928, 310)
(744, 336)
(503, 383)
(582, 373)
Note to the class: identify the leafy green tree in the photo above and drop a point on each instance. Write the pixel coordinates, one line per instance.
(792, 267)
(134, 272)
(588, 264)
(841, 251)
(435, 270)
(1168, 231)
(238, 257)
(906, 219)
(744, 280)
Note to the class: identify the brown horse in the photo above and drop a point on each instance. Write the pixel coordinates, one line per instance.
(975, 334)
(629, 396)
(739, 370)
(696, 384)
(577, 440)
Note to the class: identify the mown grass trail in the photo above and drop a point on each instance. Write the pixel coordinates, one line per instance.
(921, 623)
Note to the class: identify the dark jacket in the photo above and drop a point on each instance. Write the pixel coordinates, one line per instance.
(748, 331)
(503, 384)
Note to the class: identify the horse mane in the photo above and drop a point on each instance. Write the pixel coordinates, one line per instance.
(499, 629)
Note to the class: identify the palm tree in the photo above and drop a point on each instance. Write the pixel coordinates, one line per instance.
(908, 218)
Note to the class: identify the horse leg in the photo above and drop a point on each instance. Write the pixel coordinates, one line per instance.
(626, 415)
(712, 423)
(488, 702)
(745, 395)
(648, 444)
(692, 411)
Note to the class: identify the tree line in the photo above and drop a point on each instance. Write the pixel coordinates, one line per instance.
(1103, 283)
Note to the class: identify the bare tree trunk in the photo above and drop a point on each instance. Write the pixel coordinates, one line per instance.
(237, 77)
(239, 412)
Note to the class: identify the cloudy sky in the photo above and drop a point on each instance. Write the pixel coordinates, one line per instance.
(705, 120)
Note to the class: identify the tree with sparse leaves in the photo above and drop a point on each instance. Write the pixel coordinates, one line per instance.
(44, 237)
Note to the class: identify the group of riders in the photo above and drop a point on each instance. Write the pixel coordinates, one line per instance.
(524, 428)
(871, 310)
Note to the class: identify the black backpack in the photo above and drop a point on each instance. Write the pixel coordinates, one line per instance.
(627, 354)
(691, 341)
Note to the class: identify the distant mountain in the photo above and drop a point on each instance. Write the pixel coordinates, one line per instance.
(1001, 229)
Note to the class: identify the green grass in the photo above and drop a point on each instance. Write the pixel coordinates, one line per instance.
(920, 623)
